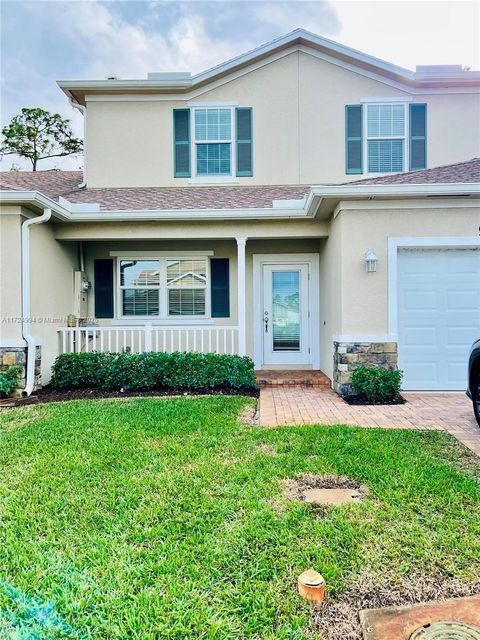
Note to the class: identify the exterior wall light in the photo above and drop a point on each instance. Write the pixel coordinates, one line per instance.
(371, 261)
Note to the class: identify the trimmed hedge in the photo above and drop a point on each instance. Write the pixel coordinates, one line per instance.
(151, 371)
(376, 384)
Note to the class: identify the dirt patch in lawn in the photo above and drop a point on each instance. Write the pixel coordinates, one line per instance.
(267, 450)
(324, 490)
(249, 416)
(47, 394)
(339, 616)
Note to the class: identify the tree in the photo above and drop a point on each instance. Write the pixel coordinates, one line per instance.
(37, 134)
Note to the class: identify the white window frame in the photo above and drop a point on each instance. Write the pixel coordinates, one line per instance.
(163, 315)
(231, 177)
(406, 136)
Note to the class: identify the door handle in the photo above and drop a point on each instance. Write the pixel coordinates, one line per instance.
(265, 319)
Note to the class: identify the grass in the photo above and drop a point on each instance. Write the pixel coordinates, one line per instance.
(164, 519)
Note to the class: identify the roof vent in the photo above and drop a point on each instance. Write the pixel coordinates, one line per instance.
(169, 75)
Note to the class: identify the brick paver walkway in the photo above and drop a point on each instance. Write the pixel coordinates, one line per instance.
(451, 412)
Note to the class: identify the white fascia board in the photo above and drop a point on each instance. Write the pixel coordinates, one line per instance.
(402, 190)
(37, 199)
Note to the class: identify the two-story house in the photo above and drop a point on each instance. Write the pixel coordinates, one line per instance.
(305, 204)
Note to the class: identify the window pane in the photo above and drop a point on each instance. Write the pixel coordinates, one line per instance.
(385, 156)
(186, 302)
(213, 124)
(186, 273)
(134, 273)
(140, 302)
(213, 159)
(385, 120)
(286, 310)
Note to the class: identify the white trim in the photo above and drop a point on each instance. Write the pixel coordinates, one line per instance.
(241, 295)
(212, 103)
(14, 344)
(314, 44)
(365, 338)
(220, 179)
(308, 210)
(386, 99)
(213, 178)
(396, 243)
(383, 205)
(405, 138)
(313, 259)
(162, 287)
(161, 254)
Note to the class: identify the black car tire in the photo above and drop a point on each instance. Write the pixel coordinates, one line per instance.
(476, 398)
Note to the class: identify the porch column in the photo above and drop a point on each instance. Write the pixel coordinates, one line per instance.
(241, 297)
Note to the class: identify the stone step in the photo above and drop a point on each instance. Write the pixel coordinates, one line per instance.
(271, 378)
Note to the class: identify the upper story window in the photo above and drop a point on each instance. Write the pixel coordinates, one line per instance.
(385, 137)
(213, 141)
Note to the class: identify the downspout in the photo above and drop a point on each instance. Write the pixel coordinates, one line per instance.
(31, 345)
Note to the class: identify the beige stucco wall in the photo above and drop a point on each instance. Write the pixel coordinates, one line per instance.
(52, 264)
(10, 275)
(298, 106)
(365, 296)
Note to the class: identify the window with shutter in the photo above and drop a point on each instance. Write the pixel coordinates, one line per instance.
(220, 287)
(385, 138)
(353, 138)
(103, 288)
(181, 142)
(244, 142)
(418, 136)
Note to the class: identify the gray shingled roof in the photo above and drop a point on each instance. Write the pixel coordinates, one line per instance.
(460, 172)
(65, 184)
(55, 184)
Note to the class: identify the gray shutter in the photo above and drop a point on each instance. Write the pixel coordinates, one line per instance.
(244, 141)
(418, 136)
(220, 287)
(353, 138)
(103, 273)
(181, 142)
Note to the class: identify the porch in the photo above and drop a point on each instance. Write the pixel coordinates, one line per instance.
(238, 296)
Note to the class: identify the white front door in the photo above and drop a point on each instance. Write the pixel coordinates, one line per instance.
(285, 314)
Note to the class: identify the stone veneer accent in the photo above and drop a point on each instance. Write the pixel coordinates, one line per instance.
(349, 355)
(11, 356)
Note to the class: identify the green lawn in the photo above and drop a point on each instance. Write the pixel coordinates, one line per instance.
(165, 518)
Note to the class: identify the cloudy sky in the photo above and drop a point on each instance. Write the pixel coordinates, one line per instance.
(43, 41)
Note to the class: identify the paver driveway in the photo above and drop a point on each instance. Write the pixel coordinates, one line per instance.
(451, 412)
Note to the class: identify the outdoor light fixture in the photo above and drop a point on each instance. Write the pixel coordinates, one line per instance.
(371, 261)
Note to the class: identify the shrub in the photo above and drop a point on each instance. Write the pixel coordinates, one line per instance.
(8, 380)
(376, 384)
(152, 371)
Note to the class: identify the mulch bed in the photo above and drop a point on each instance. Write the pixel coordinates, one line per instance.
(48, 394)
(363, 400)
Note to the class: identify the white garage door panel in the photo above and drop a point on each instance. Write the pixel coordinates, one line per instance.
(438, 316)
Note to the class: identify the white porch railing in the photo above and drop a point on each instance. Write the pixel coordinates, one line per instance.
(135, 339)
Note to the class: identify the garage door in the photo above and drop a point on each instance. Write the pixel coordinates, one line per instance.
(438, 316)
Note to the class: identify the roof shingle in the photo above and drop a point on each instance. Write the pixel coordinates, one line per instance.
(65, 184)
(460, 172)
